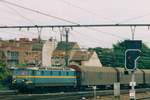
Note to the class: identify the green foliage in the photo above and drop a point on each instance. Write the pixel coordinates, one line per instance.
(144, 61)
(119, 54)
(2, 64)
(115, 56)
(105, 56)
(22, 65)
(4, 72)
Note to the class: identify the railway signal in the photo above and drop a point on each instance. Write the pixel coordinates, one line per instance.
(131, 57)
(132, 53)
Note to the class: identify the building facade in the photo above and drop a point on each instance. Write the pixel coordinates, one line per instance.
(47, 51)
(74, 54)
(51, 53)
(21, 52)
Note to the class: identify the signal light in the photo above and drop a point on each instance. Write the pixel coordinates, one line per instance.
(131, 57)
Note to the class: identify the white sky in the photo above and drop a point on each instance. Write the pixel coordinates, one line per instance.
(82, 12)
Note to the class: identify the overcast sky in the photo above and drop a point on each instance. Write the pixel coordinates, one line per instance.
(82, 12)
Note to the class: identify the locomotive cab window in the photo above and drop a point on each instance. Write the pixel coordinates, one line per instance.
(38, 73)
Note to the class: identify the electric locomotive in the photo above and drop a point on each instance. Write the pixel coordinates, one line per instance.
(30, 78)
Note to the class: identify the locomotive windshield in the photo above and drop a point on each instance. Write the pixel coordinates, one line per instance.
(20, 72)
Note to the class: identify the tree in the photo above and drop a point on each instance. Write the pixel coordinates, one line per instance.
(118, 54)
(4, 72)
(144, 61)
(119, 49)
(2, 63)
(115, 57)
(105, 56)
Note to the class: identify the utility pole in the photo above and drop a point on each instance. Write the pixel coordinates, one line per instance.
(39, 34)
(133, 31)
(66, 47)
(132, 83)
(132, 91)
(94, 90)
(132, 36)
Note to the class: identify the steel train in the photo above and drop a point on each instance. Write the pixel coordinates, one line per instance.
(76, 77)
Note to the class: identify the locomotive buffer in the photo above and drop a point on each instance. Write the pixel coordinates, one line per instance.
(132, 54)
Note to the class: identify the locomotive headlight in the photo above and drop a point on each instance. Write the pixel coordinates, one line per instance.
(14, 77)
(28, 82)
(14, 81)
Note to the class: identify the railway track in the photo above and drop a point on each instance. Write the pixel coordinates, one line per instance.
(66, 95)
(145, 98)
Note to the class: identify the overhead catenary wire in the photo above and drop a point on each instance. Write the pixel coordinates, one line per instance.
(134, 18)
(37, 11)
(39, 30)
(79, 25)
(107, 33)
(43, 14)
(62, 19)
(108, 19)
(18, 34)
(27, 19)
(88, 26)
(85, 38)
(86, 10)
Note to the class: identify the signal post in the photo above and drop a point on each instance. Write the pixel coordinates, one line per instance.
(132, 54)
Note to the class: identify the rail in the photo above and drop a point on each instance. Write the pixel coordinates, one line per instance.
(144, 98)
(67, 95)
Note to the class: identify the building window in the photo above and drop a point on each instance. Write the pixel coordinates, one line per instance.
(26, 53)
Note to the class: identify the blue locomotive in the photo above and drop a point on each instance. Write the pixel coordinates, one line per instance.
(29, 78)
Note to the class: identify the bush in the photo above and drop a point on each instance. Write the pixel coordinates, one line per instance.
(5, 74)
